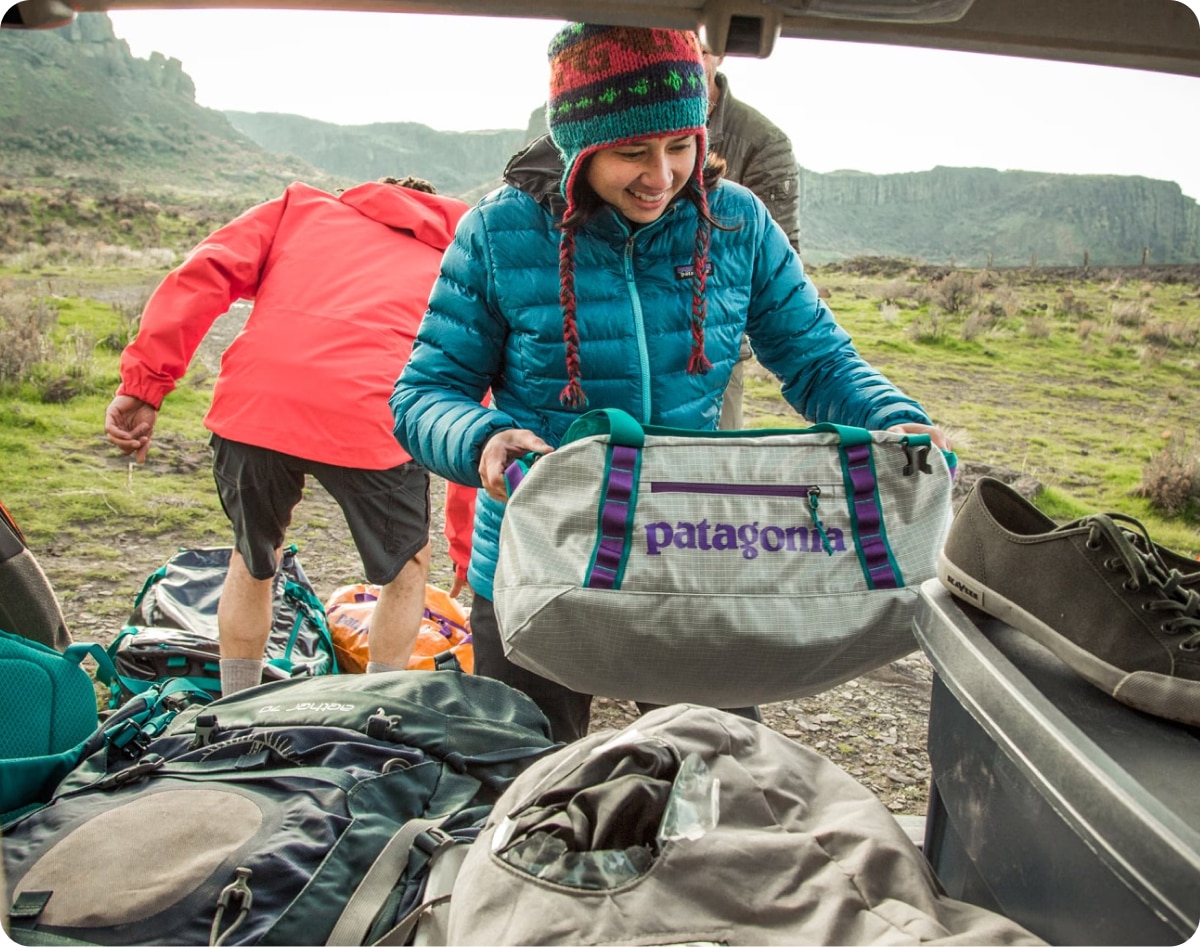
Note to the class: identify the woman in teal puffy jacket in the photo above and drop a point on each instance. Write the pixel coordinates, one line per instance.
(616, 271)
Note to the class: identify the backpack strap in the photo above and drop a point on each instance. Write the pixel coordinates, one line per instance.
(402, 933)
(360, 910)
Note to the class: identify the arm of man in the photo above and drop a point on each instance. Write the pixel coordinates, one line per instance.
(774, 176)
(223, 268)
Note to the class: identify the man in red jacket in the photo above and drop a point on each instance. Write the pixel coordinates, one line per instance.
(339, 284)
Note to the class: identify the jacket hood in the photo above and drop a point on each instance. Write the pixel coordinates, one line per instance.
(430, 217)
(537, 170)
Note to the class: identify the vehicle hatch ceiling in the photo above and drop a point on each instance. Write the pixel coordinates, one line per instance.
(1159, 35)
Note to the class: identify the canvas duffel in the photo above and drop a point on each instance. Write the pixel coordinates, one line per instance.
(719, 567)
(695, 826)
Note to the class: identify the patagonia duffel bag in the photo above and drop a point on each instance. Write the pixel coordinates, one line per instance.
(719, 567)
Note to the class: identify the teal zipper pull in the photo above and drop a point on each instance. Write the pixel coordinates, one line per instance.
(813, 502)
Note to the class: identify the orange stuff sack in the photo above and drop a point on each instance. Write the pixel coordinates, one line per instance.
(445, 627)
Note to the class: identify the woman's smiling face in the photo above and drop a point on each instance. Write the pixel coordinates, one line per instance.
(640, 178)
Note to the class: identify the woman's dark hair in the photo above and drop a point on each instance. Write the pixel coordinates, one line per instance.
(588, 202)
(584, 203)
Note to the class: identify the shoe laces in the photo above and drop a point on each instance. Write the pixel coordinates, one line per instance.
(1147, 572)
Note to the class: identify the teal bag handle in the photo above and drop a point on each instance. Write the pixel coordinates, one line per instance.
(620, 426)
(106, 668)
(517, 471)
(623, 429)
(847, 436)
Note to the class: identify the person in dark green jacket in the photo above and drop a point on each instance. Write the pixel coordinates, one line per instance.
(758, 155)
(622, 275)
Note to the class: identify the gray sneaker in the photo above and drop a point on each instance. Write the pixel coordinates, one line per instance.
(1111, 604)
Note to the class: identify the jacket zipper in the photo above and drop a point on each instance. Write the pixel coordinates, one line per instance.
(643, 354)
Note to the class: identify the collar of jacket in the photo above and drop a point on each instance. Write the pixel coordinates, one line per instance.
(716, 118)
(537, 170)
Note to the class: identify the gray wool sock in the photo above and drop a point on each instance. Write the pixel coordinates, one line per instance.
(237, 674)
(378, 667)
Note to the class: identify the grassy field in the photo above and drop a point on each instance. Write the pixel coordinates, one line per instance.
(1082, 384)
(1085, 384)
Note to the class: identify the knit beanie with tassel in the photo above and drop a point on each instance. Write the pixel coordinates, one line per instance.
(610, 85)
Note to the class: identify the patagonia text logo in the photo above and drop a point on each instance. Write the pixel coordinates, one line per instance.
(688, 271)
(748, 537)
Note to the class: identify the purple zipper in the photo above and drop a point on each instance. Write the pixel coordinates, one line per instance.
(735, 489)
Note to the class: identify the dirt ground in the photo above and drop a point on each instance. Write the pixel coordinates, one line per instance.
(875, 727)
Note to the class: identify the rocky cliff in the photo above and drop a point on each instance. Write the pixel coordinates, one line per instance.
(973, 215)
(75, 105)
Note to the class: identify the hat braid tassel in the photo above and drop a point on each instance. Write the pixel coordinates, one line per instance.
(572, 395)
(698, 363)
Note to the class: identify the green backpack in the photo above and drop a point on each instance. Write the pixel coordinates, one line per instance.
(172, 629)
(51, 722)
(307, 811)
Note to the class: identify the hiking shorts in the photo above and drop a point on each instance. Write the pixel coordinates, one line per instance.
(387, 510)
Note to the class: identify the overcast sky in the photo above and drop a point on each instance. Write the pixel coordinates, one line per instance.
(844, 105)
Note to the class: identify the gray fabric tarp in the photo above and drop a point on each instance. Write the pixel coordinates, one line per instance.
(693, 825)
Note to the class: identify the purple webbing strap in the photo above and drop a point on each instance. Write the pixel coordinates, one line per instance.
(615, 511)
(868, 519)
(514, 473)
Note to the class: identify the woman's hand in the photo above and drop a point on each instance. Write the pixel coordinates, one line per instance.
(502, 449)
(939, 437)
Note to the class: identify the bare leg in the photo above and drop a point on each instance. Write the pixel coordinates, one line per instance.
(396, 618)
(244, 612)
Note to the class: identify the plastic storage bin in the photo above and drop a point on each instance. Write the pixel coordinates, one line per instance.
(1052, 803)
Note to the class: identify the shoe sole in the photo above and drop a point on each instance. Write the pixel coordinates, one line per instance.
(1159, 694)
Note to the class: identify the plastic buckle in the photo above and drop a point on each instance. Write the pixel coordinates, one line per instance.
(206, 728)
(433, 840)
(135, 772)
(381, 726)
(919, 462)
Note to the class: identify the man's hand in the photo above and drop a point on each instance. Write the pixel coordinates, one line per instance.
(129, 423)
(502, 449)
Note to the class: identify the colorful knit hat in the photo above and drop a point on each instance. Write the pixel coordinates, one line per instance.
(610, 85)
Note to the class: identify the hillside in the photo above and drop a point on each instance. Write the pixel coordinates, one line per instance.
(456, 162)
(980, 216)
(969, 216)
(77, 108)
(79, 113)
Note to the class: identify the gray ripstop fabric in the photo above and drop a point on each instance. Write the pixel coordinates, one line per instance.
(724, 598)
(771, 844)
